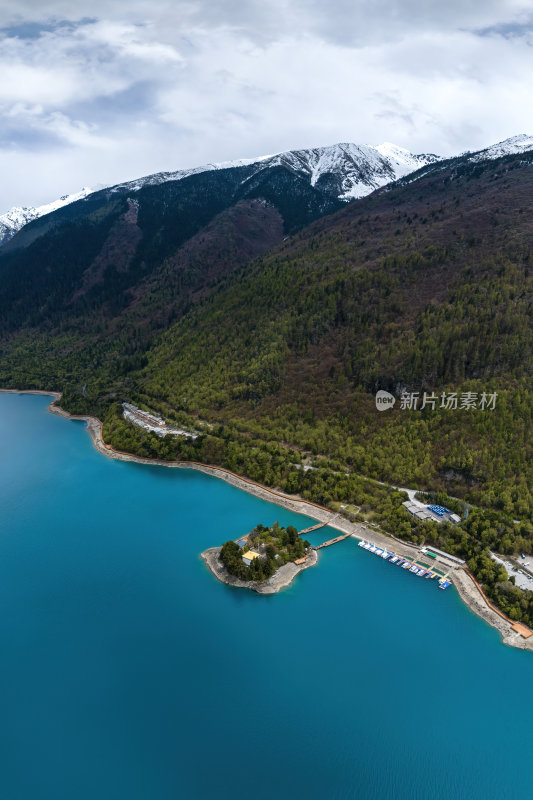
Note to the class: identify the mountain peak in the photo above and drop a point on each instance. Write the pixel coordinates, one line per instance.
(354, 170)
(18, 216)
(515, 144)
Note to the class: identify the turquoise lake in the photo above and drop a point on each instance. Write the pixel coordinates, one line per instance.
(127, 671)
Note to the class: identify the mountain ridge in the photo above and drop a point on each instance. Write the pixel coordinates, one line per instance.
(356, 169)
(387, 161)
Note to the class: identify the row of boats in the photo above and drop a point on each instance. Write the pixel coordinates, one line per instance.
(404, 563)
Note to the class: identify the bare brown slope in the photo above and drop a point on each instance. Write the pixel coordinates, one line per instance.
(117, 252)
(232, 239)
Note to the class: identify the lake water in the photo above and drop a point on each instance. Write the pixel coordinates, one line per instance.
(127, 671)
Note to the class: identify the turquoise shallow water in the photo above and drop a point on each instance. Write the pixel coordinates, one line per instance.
(127, 671)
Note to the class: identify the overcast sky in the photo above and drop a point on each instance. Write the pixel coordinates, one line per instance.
(103, 91)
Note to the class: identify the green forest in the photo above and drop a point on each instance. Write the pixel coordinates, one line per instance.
(276, 546)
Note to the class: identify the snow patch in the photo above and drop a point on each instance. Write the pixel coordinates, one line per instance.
(18, 216)
(516, 144)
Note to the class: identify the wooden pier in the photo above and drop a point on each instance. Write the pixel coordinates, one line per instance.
(317, 526)
(332, 541)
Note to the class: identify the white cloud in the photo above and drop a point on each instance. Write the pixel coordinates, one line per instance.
(90, 97)
(345, 21)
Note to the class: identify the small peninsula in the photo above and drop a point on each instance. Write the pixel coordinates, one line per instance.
(265, 560)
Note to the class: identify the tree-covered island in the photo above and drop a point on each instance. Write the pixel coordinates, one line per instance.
(265, 551)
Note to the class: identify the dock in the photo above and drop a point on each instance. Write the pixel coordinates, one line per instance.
(317, 526)
(524, 632)
(332, 541)
(422, 570)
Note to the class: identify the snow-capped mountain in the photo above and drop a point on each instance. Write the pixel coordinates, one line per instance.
(345, 171)
(356, 170)
(516, 144)
(15, 219)
(349, 170)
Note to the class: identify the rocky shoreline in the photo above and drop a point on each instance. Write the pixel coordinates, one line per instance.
(464, 583)
(282, 577)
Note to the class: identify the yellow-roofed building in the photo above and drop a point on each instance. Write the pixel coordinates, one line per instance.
(249, 556)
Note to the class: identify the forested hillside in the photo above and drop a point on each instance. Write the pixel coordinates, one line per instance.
(119, 252)
(424, 287)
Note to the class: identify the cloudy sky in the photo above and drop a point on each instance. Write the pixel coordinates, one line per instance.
(103, 91)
